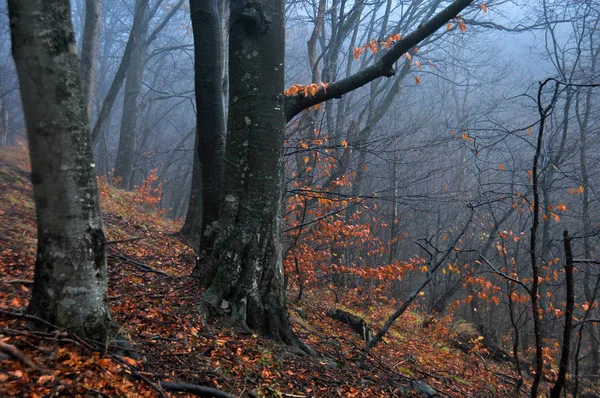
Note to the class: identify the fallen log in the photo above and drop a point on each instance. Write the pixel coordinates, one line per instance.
(356, 323)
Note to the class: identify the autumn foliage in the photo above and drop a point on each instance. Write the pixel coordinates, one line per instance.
(338, 256)
(154, 299)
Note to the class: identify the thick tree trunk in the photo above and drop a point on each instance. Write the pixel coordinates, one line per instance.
(129, 121)
(70, 282)
(90, 51)
(210, 139)
(248, 247)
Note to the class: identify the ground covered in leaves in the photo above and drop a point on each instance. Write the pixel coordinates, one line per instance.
(154, 299)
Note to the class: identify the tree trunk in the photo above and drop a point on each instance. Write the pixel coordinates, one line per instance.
(90, 52)
(70, 281)
(3, 119)
(210, 138)
(583, 116)
(115, 87)
(129, 121)
(248, 247)
(193, 218)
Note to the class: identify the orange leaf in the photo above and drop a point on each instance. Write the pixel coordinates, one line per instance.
(449, 26)
(501, 167)
(571, 191)
(130, 361)
(580, 189)
(417, 80)
(44, 379)
(345, 144)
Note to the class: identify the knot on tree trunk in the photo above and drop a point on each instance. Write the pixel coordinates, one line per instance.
(253, 19)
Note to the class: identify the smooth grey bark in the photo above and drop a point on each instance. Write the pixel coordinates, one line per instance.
(70, 281)
(133, 85)
(210, 128)
(248, 247)
(90, 51)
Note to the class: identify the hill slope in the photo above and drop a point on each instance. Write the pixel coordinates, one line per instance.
(154, 299)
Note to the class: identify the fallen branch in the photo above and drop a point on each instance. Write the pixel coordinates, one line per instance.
(200, 391)
(14, 352)
(137, 264)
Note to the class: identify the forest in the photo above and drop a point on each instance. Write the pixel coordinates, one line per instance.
(299, 198)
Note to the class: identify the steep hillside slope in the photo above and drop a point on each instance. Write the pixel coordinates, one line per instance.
(154, 300)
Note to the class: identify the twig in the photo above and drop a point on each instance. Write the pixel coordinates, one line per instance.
(137, 264)
(112, 242)
(200, 391)
(140, 376)
(586, 261)
(17, 281)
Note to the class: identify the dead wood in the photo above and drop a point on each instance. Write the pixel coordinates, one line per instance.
(356, 323)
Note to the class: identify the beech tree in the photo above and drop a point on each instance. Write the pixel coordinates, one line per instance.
(210, 129)
(248, 248)
(70, 282)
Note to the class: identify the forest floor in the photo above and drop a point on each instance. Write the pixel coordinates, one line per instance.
(154, 299)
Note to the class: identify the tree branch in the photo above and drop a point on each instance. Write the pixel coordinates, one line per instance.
(295, 104)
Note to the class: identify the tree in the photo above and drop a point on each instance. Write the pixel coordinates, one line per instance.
(248, 247)
(133, 84)
(70, 282)
(210, 128)
(90, 50)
